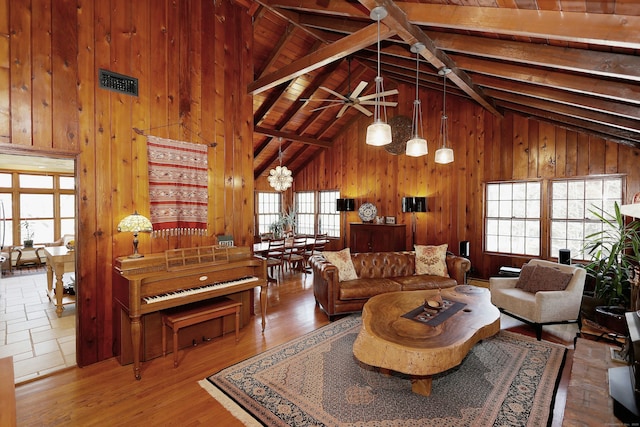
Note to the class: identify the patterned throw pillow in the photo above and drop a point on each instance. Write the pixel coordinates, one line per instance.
(342, 260)
(432, 260)
(526, 273)
(548, 279)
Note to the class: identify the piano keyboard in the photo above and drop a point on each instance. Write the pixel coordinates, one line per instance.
(179, 293)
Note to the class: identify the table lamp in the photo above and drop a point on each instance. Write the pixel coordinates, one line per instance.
(135, 224)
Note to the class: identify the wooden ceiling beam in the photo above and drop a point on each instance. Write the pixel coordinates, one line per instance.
(323, 56)
(592, 28)
(631, 139)
(610, 89)
(397, 20)
(627, 111)
(292, 137)
(603, 29)
(607, 64)
(631, 126)
(277, 49)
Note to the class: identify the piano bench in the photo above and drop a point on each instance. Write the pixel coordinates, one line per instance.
(175, 320)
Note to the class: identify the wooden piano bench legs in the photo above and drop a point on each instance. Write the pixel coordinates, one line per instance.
(175, 320)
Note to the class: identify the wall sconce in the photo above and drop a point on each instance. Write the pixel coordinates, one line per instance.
(135, 224)
(413, 205)
(345, 205)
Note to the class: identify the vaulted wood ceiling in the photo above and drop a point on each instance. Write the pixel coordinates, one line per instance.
(571, 62)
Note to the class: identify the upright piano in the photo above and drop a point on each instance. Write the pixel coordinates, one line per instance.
(155, 282)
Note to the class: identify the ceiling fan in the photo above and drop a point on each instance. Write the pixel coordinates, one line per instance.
(352, 99)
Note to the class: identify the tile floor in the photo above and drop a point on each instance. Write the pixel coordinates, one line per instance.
(30, 330)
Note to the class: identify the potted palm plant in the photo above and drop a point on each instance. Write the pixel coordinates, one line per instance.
(614, 253)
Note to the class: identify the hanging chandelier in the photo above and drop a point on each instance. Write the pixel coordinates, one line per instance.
(417, 145)
(379, 132)
(444, 154)
(280, 178)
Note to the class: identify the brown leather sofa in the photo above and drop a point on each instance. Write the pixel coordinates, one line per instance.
(378, 272)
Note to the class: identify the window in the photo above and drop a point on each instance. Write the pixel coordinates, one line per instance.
(573, 202)
(328, 217)
(305, 212)
(512, 217)
(46, 201)
(268, 209)
(317, 217)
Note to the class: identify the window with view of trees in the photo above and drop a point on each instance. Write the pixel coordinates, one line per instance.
(573, 203)
(512, 217)
(316, 213)
(45, 201)
(268, 209)
(514, 214)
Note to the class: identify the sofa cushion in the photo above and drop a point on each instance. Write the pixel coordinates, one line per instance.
(367, 288)
(432, 260)
(526, 272)
(548, 279)
(424, 281)
(342, 260)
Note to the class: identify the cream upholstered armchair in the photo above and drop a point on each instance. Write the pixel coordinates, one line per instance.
(545, 293)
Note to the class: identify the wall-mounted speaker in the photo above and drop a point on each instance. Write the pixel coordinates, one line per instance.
(464, 249)
(564, 256)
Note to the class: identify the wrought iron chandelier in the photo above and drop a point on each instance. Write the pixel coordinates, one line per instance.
(280, 178)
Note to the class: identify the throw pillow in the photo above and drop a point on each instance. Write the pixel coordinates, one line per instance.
(548, 279)
(342, 260)
(526, 273)
(432, 260)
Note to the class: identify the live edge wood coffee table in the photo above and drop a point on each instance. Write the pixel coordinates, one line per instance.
(389, 341)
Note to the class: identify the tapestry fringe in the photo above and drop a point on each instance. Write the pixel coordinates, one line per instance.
(171, 232)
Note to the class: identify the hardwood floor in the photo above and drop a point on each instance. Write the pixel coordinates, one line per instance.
(106, 393)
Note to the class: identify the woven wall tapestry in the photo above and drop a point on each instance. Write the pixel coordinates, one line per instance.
(178, 187)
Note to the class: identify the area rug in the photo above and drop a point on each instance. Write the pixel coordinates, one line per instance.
(509, 379)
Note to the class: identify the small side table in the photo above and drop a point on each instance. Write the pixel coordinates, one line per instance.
(28, 255)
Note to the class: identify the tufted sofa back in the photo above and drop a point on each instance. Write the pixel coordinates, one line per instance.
(370, 265)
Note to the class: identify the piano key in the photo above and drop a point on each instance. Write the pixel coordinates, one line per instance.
(196, 290)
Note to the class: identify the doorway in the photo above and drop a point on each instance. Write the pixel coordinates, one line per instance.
(39, 197)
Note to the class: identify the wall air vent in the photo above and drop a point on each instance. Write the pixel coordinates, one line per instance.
(118, 82)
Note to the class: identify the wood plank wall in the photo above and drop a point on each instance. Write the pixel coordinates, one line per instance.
(193, 62)
(486, 149)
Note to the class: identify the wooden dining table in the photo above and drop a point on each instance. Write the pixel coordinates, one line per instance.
(262, 248)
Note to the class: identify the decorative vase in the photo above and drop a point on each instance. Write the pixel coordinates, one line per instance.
(27, 243)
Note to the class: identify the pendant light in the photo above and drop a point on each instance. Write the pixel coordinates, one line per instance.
(417, 145)
(280, 178)
(444, 154)
(379, 132)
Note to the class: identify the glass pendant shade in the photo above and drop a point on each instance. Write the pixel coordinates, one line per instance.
(379, 133)
(417, 147)
(444, 155)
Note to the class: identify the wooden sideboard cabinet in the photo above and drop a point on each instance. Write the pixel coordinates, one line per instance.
(367, 237)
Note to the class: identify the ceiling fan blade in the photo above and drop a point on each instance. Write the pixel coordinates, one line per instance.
(333, 92)
(374, 95)
(358, 90)
(342, 110)
(325, 107)
(385, 103)
(321, 100)
(363, 110)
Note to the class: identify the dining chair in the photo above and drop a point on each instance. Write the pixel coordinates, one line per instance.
(275, 257)
(319, 243)
(295, 254)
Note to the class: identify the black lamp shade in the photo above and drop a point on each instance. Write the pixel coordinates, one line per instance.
(414, 204)
(419, 204)
(345, 205)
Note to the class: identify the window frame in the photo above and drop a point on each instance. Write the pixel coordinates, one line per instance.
(269, 216)
(319, 214)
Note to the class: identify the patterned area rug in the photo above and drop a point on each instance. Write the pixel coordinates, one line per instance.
(509, 379)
